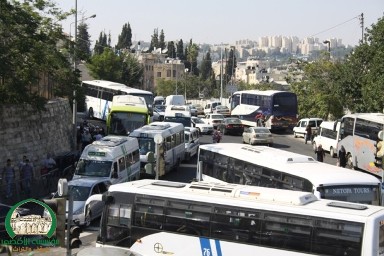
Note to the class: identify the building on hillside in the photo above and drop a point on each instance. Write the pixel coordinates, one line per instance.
(169, 69)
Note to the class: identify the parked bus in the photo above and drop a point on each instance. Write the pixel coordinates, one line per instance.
(276, 110)
(127, 114)
(270, 167)
(172, 149)
(99, 95)
(201, 218)
(359, 136)
(113, 156)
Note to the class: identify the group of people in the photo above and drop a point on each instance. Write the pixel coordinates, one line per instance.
(26, 174)
(88, 133)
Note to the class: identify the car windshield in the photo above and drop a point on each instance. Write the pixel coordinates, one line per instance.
(93, 168)
(160, 108)
(260, 130)
(197, 121)
(79, 193)
(217, 117)
(233, 121)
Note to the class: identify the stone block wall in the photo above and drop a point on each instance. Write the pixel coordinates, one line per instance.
(24, 131)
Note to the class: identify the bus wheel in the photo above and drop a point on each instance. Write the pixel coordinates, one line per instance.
(90, 113)
(350, 162)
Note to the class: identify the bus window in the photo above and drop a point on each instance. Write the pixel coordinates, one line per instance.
(121, 164)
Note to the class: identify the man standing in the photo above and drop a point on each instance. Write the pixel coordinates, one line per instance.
(27, 175)
(320, 153)
(308, 134)
(9, 176)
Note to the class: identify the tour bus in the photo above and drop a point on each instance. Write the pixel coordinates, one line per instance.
(127, 113)
(113, 156)
(271, 167)
(178, 114)
(359, 136)
(172, 148)
(202, 218)
(99, 95)
(276, 110)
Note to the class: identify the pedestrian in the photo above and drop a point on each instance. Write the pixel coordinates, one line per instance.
(219, 135)
(215, 136)
(9, 176)
(320, 153)
(48, 164)
(27, 176)
(342, 157)
(308, 134)
(86, 139)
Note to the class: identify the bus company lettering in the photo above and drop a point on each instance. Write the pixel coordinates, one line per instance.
(351, 191)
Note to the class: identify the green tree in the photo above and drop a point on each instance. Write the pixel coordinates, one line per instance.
(162, 40)
(83, 44)
(191, 53)
(125, 38)
(101, 44)
(230, 67)
(165, 87)
(171, 49)
(154, 40)
(31, 43)
(206, 66)
(132, 71)
(106, 66)
(180, 50)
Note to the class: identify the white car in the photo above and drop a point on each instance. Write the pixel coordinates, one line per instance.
(201, 126)
(327, 137)
(257, 135)
(81, 190)
(192, 142)
(213, 119)
(299, 129)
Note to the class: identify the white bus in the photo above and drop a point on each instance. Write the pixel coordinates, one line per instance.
(359, 136)
(270, 167)
(178, 114)
(99, 95)
(201, 218)
(113, 156)
(172, 148)
(276, 110)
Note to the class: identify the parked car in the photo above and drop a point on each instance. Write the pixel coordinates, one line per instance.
(81, 190)
(257, 135)
(231, 125)
(299, 129)
(220, 109)
(210, 106)
(201, 126)
(327, 137)
(199, 108)
(193, 110)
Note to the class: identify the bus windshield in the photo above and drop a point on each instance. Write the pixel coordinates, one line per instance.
(123, 123)
(363, 194)
(93, 168)
(185, 121)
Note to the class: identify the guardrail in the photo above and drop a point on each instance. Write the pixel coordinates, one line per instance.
(41, 186)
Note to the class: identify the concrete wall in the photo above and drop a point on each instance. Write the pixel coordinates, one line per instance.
(24, 131)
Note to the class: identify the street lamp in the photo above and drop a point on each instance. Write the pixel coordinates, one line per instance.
(82, 20)
(185, 83)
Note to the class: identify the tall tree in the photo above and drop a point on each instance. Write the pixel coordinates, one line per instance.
(125, 38)
(132, 71)
(230, 67)
(171, 49)
(101, 43)
(180, 50)
(154, 41)
(106, 66)
(206, 66)
(162, 40)
(83, 45)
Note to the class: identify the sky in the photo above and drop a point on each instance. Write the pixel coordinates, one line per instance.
(224, 21)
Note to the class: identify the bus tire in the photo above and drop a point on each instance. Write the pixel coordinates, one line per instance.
(90, 113)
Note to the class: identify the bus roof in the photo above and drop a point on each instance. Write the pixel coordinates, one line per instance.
(374, 117)
(235, 195)
(108, 147)
(117, 86)
(258, 92)
(163, 128)
(295, 164)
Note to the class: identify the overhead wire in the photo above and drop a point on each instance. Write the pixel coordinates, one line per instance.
(328, 29)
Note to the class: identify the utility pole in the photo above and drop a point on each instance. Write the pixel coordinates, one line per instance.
(74, 108)
(362, 27)
(221, 72)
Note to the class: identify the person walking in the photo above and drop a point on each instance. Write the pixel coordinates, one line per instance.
(342, 157)
(320, 153)
(308, 134)
(216, 136)
(9, 176)
(27, 176)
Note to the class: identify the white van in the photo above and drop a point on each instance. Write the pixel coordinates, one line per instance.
(327, 137)
(192, 142)
(178, 114)
(115, 157)
(300, 128)
(208, 109)
(175, 100)
(158, 100)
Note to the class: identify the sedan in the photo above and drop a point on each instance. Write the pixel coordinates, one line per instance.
(224, 110)
(81, 189)
(231, 125)
(199, 108)
(257, 135)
